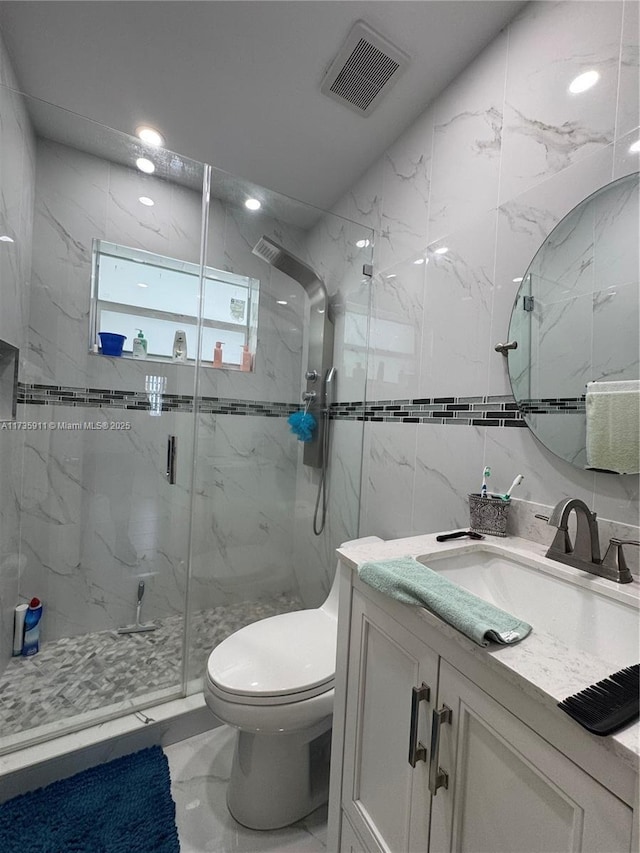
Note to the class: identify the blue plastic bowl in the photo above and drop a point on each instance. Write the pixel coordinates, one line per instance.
(111, 343)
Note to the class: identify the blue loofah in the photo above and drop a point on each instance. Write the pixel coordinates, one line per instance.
(302, 424)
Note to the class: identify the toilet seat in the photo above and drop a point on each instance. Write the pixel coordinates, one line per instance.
(256, 701)
(279, 660)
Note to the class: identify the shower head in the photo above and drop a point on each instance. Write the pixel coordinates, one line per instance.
(287, 263)
(267, 250)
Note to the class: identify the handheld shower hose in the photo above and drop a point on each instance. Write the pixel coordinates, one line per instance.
(328, 393)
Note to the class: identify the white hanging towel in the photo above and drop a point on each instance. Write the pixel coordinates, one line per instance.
(613, 426)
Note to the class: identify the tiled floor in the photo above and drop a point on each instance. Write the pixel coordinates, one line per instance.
(74, 675)
(200, 768)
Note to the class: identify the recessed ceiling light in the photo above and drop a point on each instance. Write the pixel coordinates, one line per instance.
(635, 148)
(419, 261)
(142, 284)
(253, 204)
(441, 251)
(145, 165)
(282, 301)
(4, 238)
(150, 136)
(583, 82)
(362, 244)
(516, 280)
(148, 202)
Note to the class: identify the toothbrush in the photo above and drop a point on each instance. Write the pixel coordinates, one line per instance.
(515, 483)
(507, 494)
(483, 489)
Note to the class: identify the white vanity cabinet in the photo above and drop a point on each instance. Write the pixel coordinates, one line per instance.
(499, 786)
(385, 798)
(509, 790)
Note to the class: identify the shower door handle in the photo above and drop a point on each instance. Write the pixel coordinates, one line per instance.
(172, 447)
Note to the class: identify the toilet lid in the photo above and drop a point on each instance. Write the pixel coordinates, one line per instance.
(286, 654)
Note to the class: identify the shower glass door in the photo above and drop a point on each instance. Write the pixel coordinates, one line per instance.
(254, 553)
(99, 456)
(154, 505)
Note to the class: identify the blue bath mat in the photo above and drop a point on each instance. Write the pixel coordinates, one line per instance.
(124, 806)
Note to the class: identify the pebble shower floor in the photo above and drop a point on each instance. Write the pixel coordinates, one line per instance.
(74, 675)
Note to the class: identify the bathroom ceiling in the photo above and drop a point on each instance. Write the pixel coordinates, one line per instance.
(237, 83)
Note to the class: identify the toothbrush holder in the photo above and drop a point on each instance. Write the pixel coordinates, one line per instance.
(488, 515)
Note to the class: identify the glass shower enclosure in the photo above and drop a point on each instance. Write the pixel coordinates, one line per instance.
(156, 500)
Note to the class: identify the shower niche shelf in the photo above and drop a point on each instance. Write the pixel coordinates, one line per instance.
(133, 290)
(8, 381)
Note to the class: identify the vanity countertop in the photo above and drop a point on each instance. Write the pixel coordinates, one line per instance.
(540, 665)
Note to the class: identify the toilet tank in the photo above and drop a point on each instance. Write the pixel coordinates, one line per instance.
(330, 606)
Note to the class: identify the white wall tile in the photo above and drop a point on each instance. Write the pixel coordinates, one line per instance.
(405, 199)
(395, 333)
(627, 154)
(449, 464)
(546, 127)
(468, 127)
(244, 508)
(628, 117)
(388, 480)
(457, 310)
(515, 451)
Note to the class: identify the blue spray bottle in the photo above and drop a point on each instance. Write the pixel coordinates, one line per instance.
(32, 618)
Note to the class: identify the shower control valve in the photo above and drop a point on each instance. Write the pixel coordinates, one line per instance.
(312, 376)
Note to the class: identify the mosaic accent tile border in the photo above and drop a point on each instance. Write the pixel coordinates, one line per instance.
(62, 395)
(553, 405)
(500, 411)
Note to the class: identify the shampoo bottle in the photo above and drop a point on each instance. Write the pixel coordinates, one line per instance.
(18, 628)
(32, 618)
(140, 345)
(217, 354)
(247, 358)
(180, 346)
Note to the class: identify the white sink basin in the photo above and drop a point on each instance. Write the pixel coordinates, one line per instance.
(585, 613)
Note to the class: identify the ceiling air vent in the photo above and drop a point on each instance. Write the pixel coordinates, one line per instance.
(365, 70)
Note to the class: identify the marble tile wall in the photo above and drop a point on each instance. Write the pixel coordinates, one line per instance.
(80, 197)
(487, 171)
(98, 514)
(17, 168)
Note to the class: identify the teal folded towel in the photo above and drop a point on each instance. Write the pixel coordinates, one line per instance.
(409, 581)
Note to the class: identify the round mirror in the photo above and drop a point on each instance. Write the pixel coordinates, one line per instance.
(575, 374)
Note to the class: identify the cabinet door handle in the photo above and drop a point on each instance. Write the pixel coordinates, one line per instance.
(417, 751)
(438, 778)
(171, 459)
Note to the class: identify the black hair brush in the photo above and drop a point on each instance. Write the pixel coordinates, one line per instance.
(608, 705)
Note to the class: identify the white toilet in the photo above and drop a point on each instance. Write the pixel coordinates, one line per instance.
(273, 681)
